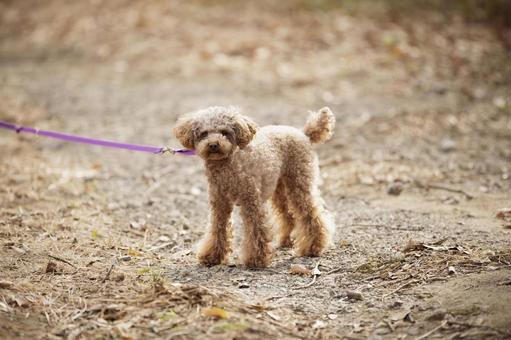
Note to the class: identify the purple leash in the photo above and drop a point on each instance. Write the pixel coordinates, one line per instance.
(92, 141)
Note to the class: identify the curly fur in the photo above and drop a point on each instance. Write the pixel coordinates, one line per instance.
(248, 166)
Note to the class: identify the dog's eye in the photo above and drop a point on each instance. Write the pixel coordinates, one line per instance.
(224, 133)
(203, 134)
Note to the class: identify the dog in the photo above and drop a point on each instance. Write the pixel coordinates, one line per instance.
(248, 166)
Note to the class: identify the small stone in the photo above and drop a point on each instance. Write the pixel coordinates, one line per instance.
(353, 295)
(396, 304)
(243, 285)
(125, 258)
(395, 189)
(438, 315)
(195, 191)
(447, 145)
(318, 324)
(119, 277)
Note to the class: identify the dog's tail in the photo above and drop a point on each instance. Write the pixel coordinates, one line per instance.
(320, 125)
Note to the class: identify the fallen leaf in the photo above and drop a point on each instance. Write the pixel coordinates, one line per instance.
(299, 269)
(412, 245)
(51, 267)
(504, 213)
(215, 312)
(6, 284)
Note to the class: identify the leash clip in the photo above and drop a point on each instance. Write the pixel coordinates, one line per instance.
(167, 149)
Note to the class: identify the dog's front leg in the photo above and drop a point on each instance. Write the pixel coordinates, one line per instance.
(217, 244)
(256, 251)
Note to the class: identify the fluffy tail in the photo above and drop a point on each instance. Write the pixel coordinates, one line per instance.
(320, 125)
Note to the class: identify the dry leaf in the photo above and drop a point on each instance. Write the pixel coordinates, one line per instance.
(215, 312)
(504, 213)
(6, 284)
(51, 267)
(299, 269)
(412, 245)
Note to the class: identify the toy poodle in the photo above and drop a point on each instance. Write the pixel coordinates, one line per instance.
(247, 166)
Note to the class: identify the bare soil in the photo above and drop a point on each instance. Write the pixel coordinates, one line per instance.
(99, 243)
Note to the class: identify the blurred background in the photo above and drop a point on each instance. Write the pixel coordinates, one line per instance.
(422, 150)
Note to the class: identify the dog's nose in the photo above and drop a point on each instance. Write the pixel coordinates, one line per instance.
(213, 146)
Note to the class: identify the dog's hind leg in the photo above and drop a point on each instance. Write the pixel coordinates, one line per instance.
(285, 218)
(311, 232)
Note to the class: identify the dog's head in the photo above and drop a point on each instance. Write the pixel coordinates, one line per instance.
(215, 132)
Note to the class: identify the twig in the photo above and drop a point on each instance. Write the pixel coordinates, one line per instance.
(308, 284)
(425, 335)
(165, 245)
(400, 287)
(336, 270)
(441, 187)
(365, 225)
(316, 273)
(62, 260)
(108, 273)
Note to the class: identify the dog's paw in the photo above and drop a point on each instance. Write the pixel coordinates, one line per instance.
(259, 257)
(285, 243)
(311, 249)
(211, 259)
(257, 262)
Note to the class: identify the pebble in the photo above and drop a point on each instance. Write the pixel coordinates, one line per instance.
(395, 189)
(447, 145)
(353, 295)
(438, 315)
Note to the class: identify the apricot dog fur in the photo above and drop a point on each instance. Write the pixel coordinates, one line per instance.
(247, 166)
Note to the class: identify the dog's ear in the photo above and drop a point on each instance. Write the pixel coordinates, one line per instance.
(245, 129)
(184, 131)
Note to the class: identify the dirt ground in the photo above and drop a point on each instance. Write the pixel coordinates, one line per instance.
(99, 243)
